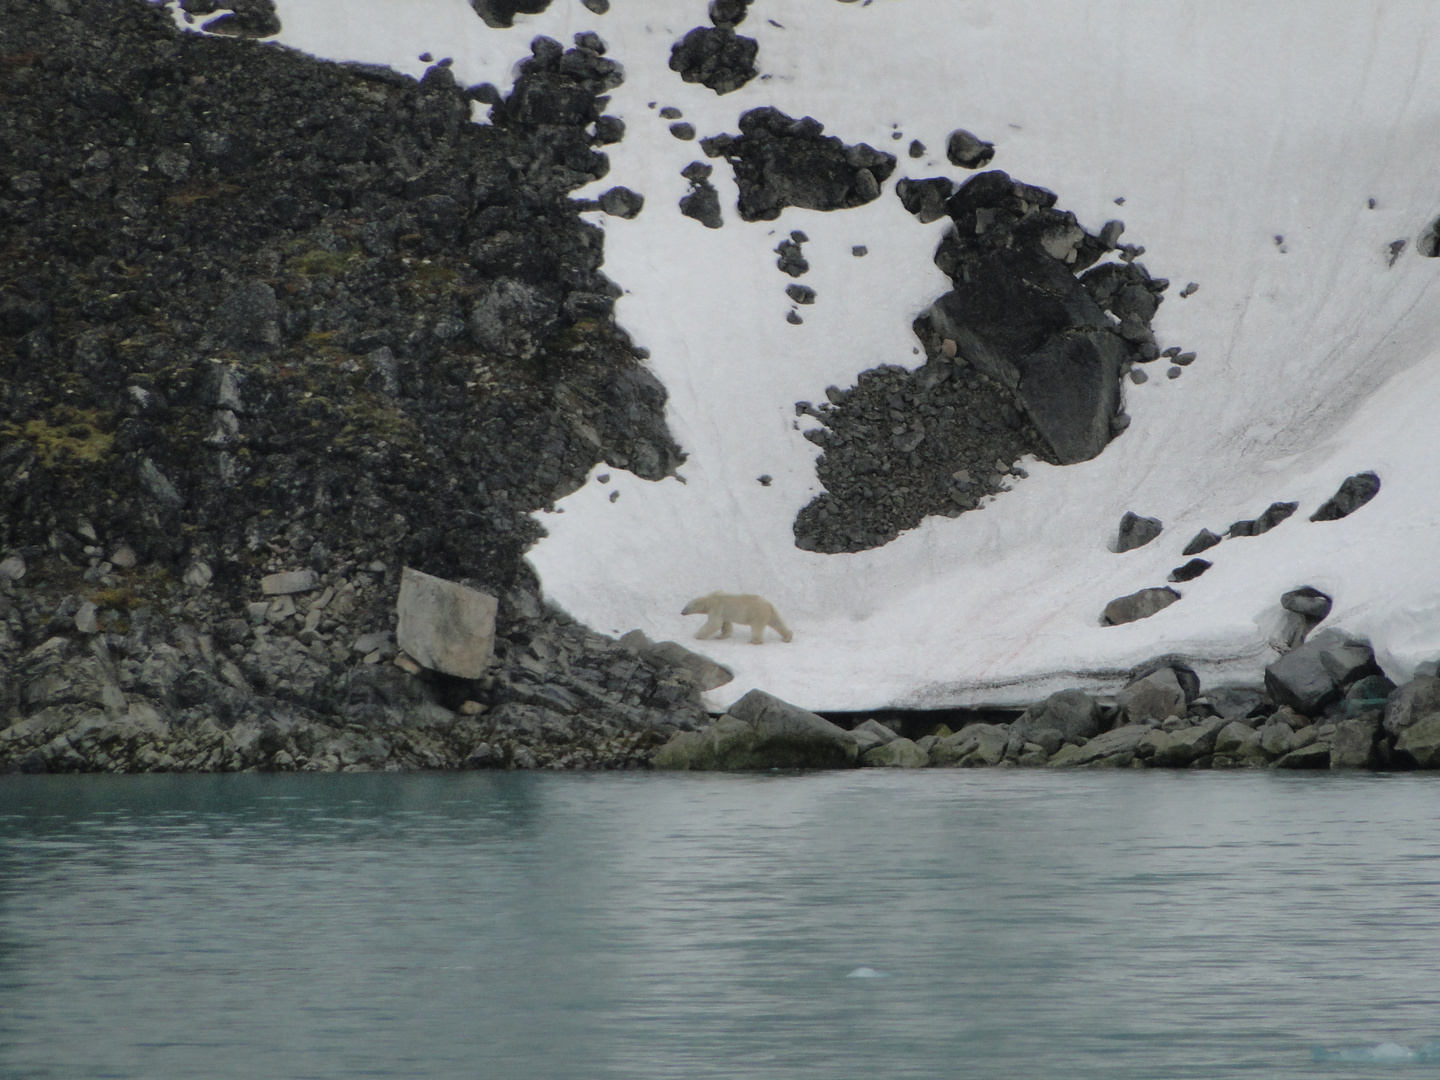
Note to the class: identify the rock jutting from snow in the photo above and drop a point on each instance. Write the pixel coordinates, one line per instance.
(925, 199)
(1274, 515)
(1190, 571)
(621, 202)
(1138, 605)
(1204, 540)
(780, 161)
(1354, 493)
(1316, 673)
(1023, 359)
(792, 259)
(715, 56)
(1136, 531)
(967, 151)
(703, 201)
(500, 14)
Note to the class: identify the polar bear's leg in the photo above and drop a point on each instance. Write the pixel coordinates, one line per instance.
(725, 629)
(757, 633)
(779, 625)
(712, 624)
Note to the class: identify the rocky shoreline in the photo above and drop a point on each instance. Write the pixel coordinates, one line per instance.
(1325, 705)
(275, 330)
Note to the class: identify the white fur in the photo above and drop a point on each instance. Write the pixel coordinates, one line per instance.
(727, 608)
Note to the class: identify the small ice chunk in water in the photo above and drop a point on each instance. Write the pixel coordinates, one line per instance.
(867, 973)
(1381, 1053)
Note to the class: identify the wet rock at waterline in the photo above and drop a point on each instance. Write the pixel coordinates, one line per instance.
(761, 732)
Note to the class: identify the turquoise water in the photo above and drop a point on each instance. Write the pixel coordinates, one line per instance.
(545, 927)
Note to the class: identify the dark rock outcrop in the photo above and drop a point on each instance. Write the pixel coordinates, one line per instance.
(715, 56)
(780, 161)
(1354, 493)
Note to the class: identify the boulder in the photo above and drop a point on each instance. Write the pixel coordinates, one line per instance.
(1136, 531)
(1354, 493)
(974, 744)
(704, 672)
(1072, 714)
(1115, 747)
(621, 202)
(877, 729)
(1417, 700)
(1204, 540)
(1352, 746)
(896, 754)
(1176, 749)
(925, 198)
(1235, 702)
(1238, 740)
(445, 626)
(1138, 605)
(1190, 571)
(715, 56)
(1277, 738)
(1274, 514)
(1419, 743)
(761, 732)
(781, 161)
(289, 581)
(1153, 697)
(1307, 601)
(1314, 756)
(1316, 673)
(968, 151)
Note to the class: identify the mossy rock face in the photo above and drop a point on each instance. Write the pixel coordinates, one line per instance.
(240, 342)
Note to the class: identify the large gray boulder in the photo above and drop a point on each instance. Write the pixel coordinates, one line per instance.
(1411, 703)
(1114, 748)
(1316, 673)
(445, 626)
(1153, 697)
(1419, 743)
(1136, 531)
(1176, 749)
(896, 754)
(761, 732)
(704, 672)
(1138, 605)
(1073, 714)
(1235, 702)
(974, 744)
(1353, 746)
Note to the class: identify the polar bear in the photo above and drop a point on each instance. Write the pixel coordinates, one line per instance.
(727, 608)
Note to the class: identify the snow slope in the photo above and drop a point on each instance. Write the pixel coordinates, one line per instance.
(1223, 125)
